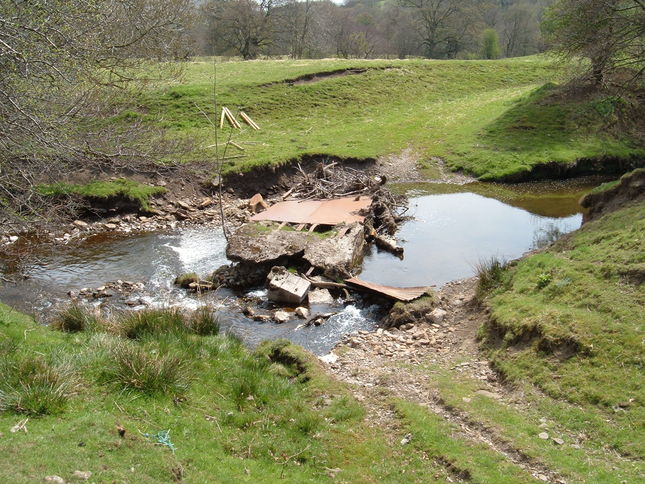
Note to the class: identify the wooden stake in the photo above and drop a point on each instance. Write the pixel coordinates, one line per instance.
(221, 119)
(231, 118)
(236, 145)
(249, 121)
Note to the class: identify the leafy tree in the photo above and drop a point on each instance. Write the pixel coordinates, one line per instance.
(491, 48)
(610, 33)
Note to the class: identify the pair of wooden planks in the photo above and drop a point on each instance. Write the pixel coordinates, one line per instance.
(228, 115)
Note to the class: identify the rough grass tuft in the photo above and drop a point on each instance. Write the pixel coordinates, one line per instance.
(204, 322)
(152, 322)
(74, 319)
(34, 386)
(490, 273)
(133, 367)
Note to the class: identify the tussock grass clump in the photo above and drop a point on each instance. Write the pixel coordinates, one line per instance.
(133, 367)
(74, 319)
(150, 322)
(32, 385)
(490, 273)
(204, 322)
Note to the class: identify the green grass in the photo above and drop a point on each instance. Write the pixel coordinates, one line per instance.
(586, 432)
(491, 118)
(232, 415)
(570, 319)
(474, 462)
(129, 189)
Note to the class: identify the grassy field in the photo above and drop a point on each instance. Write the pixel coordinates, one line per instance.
(232, 415)
(490, 118)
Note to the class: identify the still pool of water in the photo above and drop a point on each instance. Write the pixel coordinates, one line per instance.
(451, 233)
(447, 236)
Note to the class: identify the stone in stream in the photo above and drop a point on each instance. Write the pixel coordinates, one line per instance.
(302, 312)
(286, 287)
(320, 296)
(281, 317)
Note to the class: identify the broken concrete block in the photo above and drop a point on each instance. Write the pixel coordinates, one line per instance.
(257, 203)
(286, 287)
(320, 296)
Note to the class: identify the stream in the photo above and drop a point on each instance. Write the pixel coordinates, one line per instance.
(453, 228)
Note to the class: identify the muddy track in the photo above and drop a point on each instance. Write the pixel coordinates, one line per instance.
(374, 376)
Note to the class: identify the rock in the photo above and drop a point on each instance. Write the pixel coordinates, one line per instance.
(488, 394)
(206, 202)
(302, 312)
(558, 441)
(543, 436)
(286, 287)
(110, 226)
(320, 296)
(466, 399)
(249, 312)
(13, 238)
(407, 439)
(257, 203)
(82, 475)
(262, 318)
(437, 315)
(281, 317)
(80, 224)
(56, 479)
(183, 204)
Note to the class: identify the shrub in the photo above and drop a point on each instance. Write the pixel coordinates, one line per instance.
(150, 322)
(34, 386)
(490, 273)
(74, 319)
(204, 322)
(132, 367)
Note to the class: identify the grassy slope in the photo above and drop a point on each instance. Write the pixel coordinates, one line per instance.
(570, 322)
(486, 117)
(297, 425)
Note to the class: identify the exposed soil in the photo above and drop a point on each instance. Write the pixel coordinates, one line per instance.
(582, 167)
(319, 76)
(393, 362)
(630, 189)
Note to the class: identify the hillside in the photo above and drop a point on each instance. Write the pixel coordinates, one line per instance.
(494, 119)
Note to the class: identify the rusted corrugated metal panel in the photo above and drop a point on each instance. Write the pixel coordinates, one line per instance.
(322, 212)
(399, 293)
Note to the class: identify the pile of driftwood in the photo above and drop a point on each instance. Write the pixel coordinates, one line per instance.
(333, 180)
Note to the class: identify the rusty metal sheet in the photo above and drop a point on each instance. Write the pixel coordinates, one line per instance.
(399, 293)
(322, 212)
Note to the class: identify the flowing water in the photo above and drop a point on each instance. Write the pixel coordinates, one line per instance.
(448, 235)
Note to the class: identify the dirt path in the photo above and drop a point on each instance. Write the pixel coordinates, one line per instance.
(386, 363)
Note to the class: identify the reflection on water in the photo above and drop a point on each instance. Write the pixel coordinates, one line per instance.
(450, 233)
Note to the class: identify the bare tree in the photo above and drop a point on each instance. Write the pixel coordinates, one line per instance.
(610, 33)
(55, 55)
(244, 26)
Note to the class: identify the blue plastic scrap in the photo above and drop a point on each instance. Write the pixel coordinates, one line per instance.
(163, 438)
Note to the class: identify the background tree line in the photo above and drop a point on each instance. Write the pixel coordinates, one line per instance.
(438, 29)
